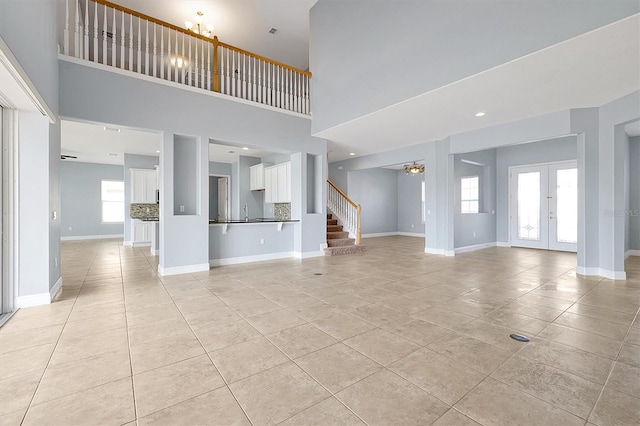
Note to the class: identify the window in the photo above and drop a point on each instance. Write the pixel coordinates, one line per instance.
(424, 205)
(469, 194)
(112, 201)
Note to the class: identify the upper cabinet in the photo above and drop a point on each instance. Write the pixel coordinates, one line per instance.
(277, 181)
(143, 185)
(256, 176)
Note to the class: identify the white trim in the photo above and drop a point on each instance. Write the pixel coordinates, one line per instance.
(379, 234)
(33, 300)
(141, 244)
(53, 292)
(601, 272)
(474, 247)
(450, 253)
(186, 269)
(90, 237)
(178, 85)
(127, 243)
(249, 259)
(428, 250)
(631, 253)
(21, 77)
(155, 252)
(308, 254)
(411, 234)
(503, 244)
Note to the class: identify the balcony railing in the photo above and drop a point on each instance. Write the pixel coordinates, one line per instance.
(106, 33)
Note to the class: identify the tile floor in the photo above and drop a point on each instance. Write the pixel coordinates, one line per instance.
(389, 337)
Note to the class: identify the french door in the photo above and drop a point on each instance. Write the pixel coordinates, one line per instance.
(543, 210)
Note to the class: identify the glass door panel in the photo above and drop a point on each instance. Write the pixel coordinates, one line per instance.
(529, 206)
(563, 206)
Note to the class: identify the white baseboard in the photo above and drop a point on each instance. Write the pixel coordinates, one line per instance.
(91, 237)
(53, 292)
(630, 253)
(40, 298)
(503, 244)
(186, 269)
(474, 247)
(307, 254)
(379, 234)
(141, 244)
(441, 252)
(155, 252)
(127, 243)
(249, 259)
(410, 234)
(601, 272)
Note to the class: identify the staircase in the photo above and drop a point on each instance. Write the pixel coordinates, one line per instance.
(338, 241)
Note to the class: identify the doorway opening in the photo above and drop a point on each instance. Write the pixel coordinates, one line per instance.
(543, 206)
(219, 204)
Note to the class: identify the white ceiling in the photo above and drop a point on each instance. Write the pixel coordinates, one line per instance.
(243, 23)
(586, 71)
(229, 153)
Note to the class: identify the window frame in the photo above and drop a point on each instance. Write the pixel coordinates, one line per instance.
(469, 200)
(104, 201)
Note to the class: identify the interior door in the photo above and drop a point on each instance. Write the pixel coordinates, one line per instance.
(543, 210)
(223, 199)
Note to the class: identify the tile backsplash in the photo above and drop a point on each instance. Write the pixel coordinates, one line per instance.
(143, 210)
(282, 211)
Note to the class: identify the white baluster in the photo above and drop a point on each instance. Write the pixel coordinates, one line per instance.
(114, 48)
(139, 55)
(146, 50)
(76, 34)
(130, 67)
(190, 67)
(260, 67)
(86, 30)
(234, 73)
(66, 28)
(222, 71)
(209, 66)
(182, 59)
(177, 79)
(122, 48)
(95, 33)
(196, 67)
(169, 66)
(155, 51)
(254, 95)
(244, 74)
(161, 52)
(202, 73)
(306, 95)
(105, 51)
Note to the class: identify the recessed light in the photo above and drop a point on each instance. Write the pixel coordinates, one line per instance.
(352, 153)
(158, 151)
(111, 129)
(232, 152)
(245, 149)
(480, 114)
(113, 154)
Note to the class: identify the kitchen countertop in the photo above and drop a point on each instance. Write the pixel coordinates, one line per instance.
(255, 220)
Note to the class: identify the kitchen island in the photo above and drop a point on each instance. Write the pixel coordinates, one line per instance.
(252, 240)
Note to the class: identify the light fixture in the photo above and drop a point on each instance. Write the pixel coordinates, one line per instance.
(199, 27)
(245, 149)
(480, 114)
(352, 154)
(158, 151)
(110, 129)
(413, 169)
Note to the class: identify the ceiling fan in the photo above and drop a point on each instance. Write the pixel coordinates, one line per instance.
(67, 157)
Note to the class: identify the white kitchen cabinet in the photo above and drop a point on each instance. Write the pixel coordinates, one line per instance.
(256, 176)
(141, 232)
(278, 183)
(143, 185)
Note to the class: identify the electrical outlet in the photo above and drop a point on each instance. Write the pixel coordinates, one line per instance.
(55, 262)
(70, 228)
(261, 240)
(474, 235)
(412, 226)
(181, 209)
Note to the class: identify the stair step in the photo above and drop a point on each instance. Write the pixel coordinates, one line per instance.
(329, 216)
(334, 235)
(341, 242)
(334, 228)
(332, 221)
(336, 251)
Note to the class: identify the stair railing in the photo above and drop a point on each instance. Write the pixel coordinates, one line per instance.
(347, 211)
(106, 33)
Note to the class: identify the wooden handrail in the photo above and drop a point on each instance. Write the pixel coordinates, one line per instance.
(213, 41)
(262, 58)
(349, 200)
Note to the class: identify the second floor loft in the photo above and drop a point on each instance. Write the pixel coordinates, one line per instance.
(106, 33)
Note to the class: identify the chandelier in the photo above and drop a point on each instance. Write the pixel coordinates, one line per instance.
(199, 27)
(414, 169)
